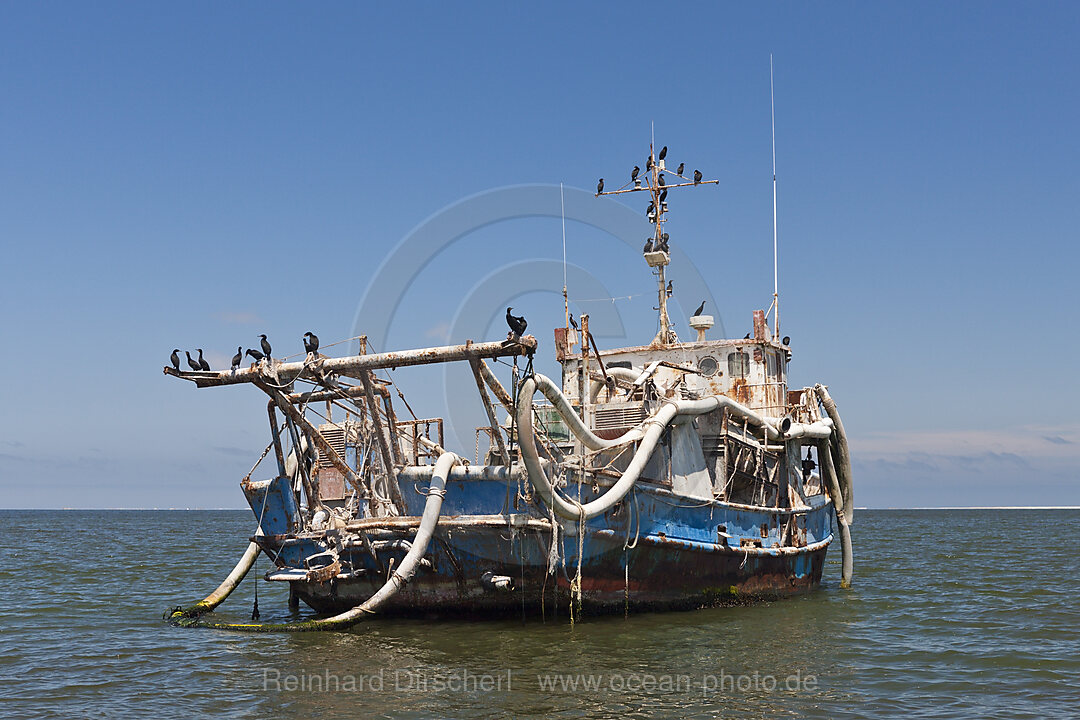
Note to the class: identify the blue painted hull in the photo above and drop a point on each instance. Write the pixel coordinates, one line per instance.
(655, 550)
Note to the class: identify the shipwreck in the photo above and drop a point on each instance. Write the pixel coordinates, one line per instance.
(674, 474)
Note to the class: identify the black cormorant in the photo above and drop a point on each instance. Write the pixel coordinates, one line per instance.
(697, 176)
(663, 152)
(600, 186)
(517, 324)
(203, 365)
(175, 359)
(311, 342)
(237, 358)
(679, 170)
(648, 246)
(700, 308)
(634, 172)
(191, 363)
(265, 346)
(255, 355)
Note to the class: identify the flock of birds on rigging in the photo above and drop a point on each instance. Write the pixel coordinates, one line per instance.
(311, 347)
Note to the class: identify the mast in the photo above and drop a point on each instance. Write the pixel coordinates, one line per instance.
(657, 186)
(775, 276)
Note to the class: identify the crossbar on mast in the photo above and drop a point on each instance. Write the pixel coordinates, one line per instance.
(313, 370)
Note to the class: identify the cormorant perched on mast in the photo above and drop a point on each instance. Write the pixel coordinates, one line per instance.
(656, 212)
(191, 363)
(175, 359)
(517, 324)
(311, 342)
(203, 365)
(265, 346)
(700, 308)
(255, 355)
(600, 186)
(237, 358)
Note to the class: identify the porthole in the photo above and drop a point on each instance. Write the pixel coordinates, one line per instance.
(708, 366)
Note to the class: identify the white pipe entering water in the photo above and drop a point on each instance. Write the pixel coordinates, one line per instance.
(402, 575)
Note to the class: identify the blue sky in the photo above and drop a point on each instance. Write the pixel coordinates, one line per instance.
(194, 175)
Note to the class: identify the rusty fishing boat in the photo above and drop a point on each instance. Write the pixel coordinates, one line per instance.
(674, 474)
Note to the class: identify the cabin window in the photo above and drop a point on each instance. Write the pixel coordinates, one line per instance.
(708, 366)
(771, 365)
(738, 364)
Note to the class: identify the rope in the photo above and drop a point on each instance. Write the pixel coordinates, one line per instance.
(575, 586)
(264, 454)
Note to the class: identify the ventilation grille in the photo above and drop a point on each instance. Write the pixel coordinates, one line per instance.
(335, 437)
(619, 418)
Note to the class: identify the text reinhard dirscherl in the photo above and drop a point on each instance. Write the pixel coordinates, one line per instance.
(467, 681)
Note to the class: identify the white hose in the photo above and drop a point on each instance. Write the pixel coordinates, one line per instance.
(649, 432)
(617, 372)
(402, 575)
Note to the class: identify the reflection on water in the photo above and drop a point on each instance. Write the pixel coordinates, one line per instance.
(953, 614)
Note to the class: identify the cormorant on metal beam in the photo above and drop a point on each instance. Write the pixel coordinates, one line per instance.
(203, 365)
(700, 308)
(697, 176)
(517, 324)
(255, 355)
(175, 359)
(265, 346)
(311, 342)
(237, 358)
(663, 152)
(191, 363)
(600, 186)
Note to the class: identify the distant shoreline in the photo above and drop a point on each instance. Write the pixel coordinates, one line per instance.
(875, 509)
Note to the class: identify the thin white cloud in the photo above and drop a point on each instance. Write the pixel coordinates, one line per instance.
(1057, 443)
(439, 331)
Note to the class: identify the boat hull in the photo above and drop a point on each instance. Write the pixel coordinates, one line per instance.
(657, 574)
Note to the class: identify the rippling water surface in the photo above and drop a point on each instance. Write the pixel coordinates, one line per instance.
(954, 614)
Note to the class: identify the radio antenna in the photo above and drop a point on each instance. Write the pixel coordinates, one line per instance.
(565, 297)
(775, 275)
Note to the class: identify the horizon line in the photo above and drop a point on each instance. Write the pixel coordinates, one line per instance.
(239, 509)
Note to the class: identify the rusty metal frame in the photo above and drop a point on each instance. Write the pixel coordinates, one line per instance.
(493, 421)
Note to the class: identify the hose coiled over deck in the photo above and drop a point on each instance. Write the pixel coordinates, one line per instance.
(648, 433)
